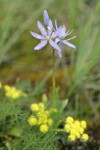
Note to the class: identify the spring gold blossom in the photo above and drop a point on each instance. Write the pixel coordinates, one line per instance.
(41, 117)
(75, 129)
(32, 121)
(34, 107)
(44, 128)
(85, 137)
(13, 93)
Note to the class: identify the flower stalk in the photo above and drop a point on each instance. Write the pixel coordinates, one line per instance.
(53, 75)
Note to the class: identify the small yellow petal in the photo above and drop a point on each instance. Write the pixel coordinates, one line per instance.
(41, 106)
(43, 128)
(69, 120)
(85, 137)
(83, 124)
(67, 128)
(71, 137)
(34, 107)
(32, 121)
(77, 123)
(81, 130)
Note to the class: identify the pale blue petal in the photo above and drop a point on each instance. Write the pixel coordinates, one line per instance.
(57, 40)
(56, 33)
(40, 45)
(54, 45)
(41, 28)
(50, 27)
(46, 18)
(60, 45)
(68, 44)
(63, 31)
(37, 36)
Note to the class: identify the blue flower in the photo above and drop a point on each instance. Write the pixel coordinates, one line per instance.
(62, 34)
(54, 36)
(46, 36)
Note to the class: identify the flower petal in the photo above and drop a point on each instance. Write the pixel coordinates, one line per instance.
(60, 45)
(62, 32)
(68, 44)
(41, 28)
(54, 45)
(37, 36)
(56, 33)
(50, 27)
(46, 18)
(57, 40)
(40, 45)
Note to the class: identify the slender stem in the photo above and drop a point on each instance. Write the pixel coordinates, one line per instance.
(53, 78)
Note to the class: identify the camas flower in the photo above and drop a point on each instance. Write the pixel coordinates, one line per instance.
(55, 37)
(46, 36)
(62, 34)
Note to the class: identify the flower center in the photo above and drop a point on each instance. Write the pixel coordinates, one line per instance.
(48, 38)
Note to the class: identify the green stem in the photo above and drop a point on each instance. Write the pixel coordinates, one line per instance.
(59, 130)
(53, 78)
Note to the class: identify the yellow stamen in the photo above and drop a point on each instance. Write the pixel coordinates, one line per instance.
(48, 38)
(48, 27)
(71, 38)
(53, 33)
(42, 29)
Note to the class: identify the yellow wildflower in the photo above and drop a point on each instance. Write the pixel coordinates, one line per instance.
(67, 127)
(85, 137)
(73, 132)
(34, 107)
(7, 87)
(69, 120)
(75, 128)
(42, 118)
(41, 106)
(81, 130)
(46, 112)
(83, 124)
(71, 137)
(32, 121)
(44, 128)
(78, 135)
(12, 92)
(77, 123)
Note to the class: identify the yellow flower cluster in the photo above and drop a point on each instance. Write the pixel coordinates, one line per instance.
(41, 117)
(76, 129)
(13, 92)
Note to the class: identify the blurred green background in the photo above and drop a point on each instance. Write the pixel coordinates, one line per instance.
(78, 73)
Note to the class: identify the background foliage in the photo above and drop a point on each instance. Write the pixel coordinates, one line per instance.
(77, 74)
